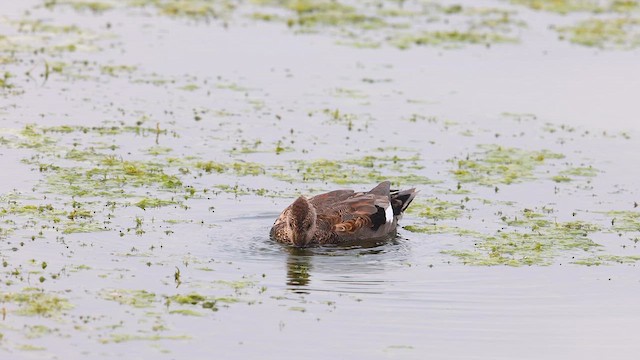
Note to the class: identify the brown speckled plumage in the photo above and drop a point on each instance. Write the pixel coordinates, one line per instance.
(341, 216)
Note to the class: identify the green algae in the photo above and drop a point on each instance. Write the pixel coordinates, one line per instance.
(610, 33)
(571, 174)
(568, 6)
(38, 331)
(240, 168)
(29, 347)
(433, 229)
(528, 238)
(436, 209)
(355, 171)
(111, 177)
(539, 242)
(33, 301)
(185, 312)
(624, 221)
(154, 203)
(193, 9)
(501, 165)
(133, 298)
(81, 5)
(607, 259)
(120, 338)
(370, 24)
(313, 13)
(451, 38)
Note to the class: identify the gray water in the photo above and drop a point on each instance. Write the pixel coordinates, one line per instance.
(91, 272)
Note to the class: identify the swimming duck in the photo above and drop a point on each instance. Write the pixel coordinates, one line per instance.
(342, 216)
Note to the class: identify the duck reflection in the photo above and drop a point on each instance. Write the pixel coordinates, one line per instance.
(299, 268)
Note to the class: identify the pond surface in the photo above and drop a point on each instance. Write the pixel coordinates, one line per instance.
(147, 146)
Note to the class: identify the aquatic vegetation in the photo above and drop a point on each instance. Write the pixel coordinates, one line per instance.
(368, 25)
(540, 245)
(80, 5)
(528, 238)
(452, 38)
(501, 165)
(616, 33)
(624, 220)
(575, 172)
(367, 169)
(607, 259)
(436, 209)
(433, 229)
(194, 9)
(154, 203)
(119, 338)
(240, 168)
(206, 302)
(567, 6)
(34, 301)
(134, 298)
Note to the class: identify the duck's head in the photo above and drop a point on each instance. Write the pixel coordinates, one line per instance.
(301, 222)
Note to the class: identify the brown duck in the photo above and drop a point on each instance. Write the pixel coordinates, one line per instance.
(342, 216)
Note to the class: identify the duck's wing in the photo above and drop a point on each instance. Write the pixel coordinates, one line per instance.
(330, 199)
(362, 215)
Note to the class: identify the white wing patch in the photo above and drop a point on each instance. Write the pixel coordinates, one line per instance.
(388, 214)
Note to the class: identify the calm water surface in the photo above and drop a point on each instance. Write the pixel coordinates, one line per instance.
(251, 92)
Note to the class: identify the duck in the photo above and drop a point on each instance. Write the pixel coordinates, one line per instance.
(342, 216)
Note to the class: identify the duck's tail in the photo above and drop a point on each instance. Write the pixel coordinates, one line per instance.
(400, 200)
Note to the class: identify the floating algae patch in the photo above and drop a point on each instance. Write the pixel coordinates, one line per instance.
(529, 239)
(154, 203)
(370, 24)
(450, 38)
(203, 301)
(354, 171)
(240, 168)
(73, 221)
(607, 260)
(312, 13)
(575, 172)
(34, 301)
(81, 5)
(194, 9)
(567, 6)
(120, 338)
(111, 177)
(501, 165)
(436, 209)
(185, 312)
(611, 33)
(623, 221)
(134, 298)
(433, 229)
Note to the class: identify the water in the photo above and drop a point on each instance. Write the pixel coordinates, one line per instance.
(224, 123)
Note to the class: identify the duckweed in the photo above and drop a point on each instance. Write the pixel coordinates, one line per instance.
(354, 171)
(576, 172)
(622, 33)
(608, 259)
(80, 5)
(436, 209)
(120, 338)
(624, 220)
(501, 165)
(567, 6)
(34, 301)
(452, 38)
(367, 25)
(154, 203)
(194, 9)
(134, 298)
